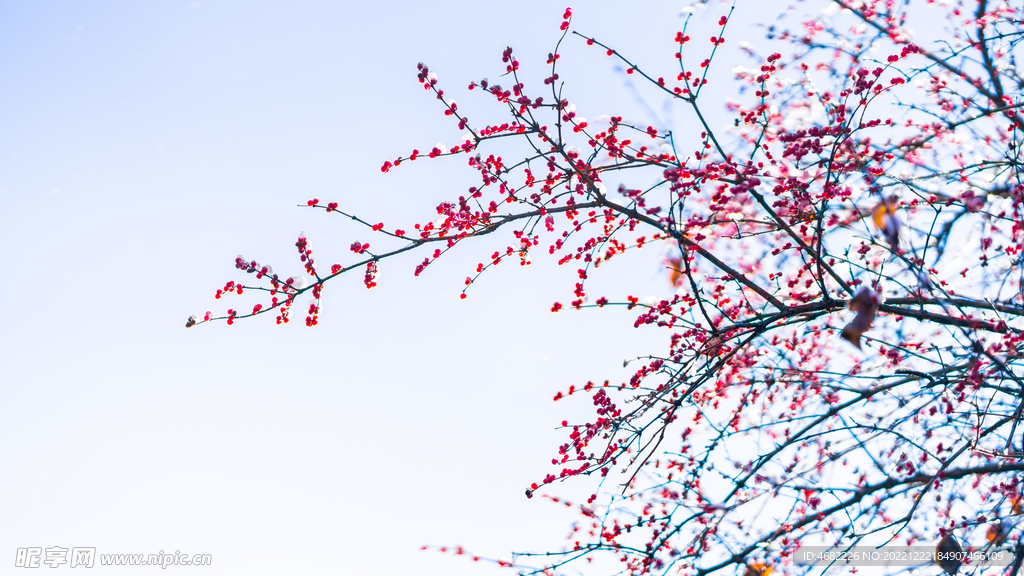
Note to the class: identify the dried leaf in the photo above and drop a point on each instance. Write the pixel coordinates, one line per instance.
(997, 533)
(675, 271)
(881, 213)
(758, 569)
(885, 219)
(864, 304)
(947, 554)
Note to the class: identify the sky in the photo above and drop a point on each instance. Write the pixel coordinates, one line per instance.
(145, 144)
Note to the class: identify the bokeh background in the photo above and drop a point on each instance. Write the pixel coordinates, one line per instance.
(144, 144)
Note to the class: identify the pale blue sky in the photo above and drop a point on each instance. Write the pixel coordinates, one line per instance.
(144, 144)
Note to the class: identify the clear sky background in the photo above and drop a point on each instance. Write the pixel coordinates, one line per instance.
(144, 144)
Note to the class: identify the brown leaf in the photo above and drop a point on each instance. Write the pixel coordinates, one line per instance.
(947, 554)
(865, 305)
(996, 534)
